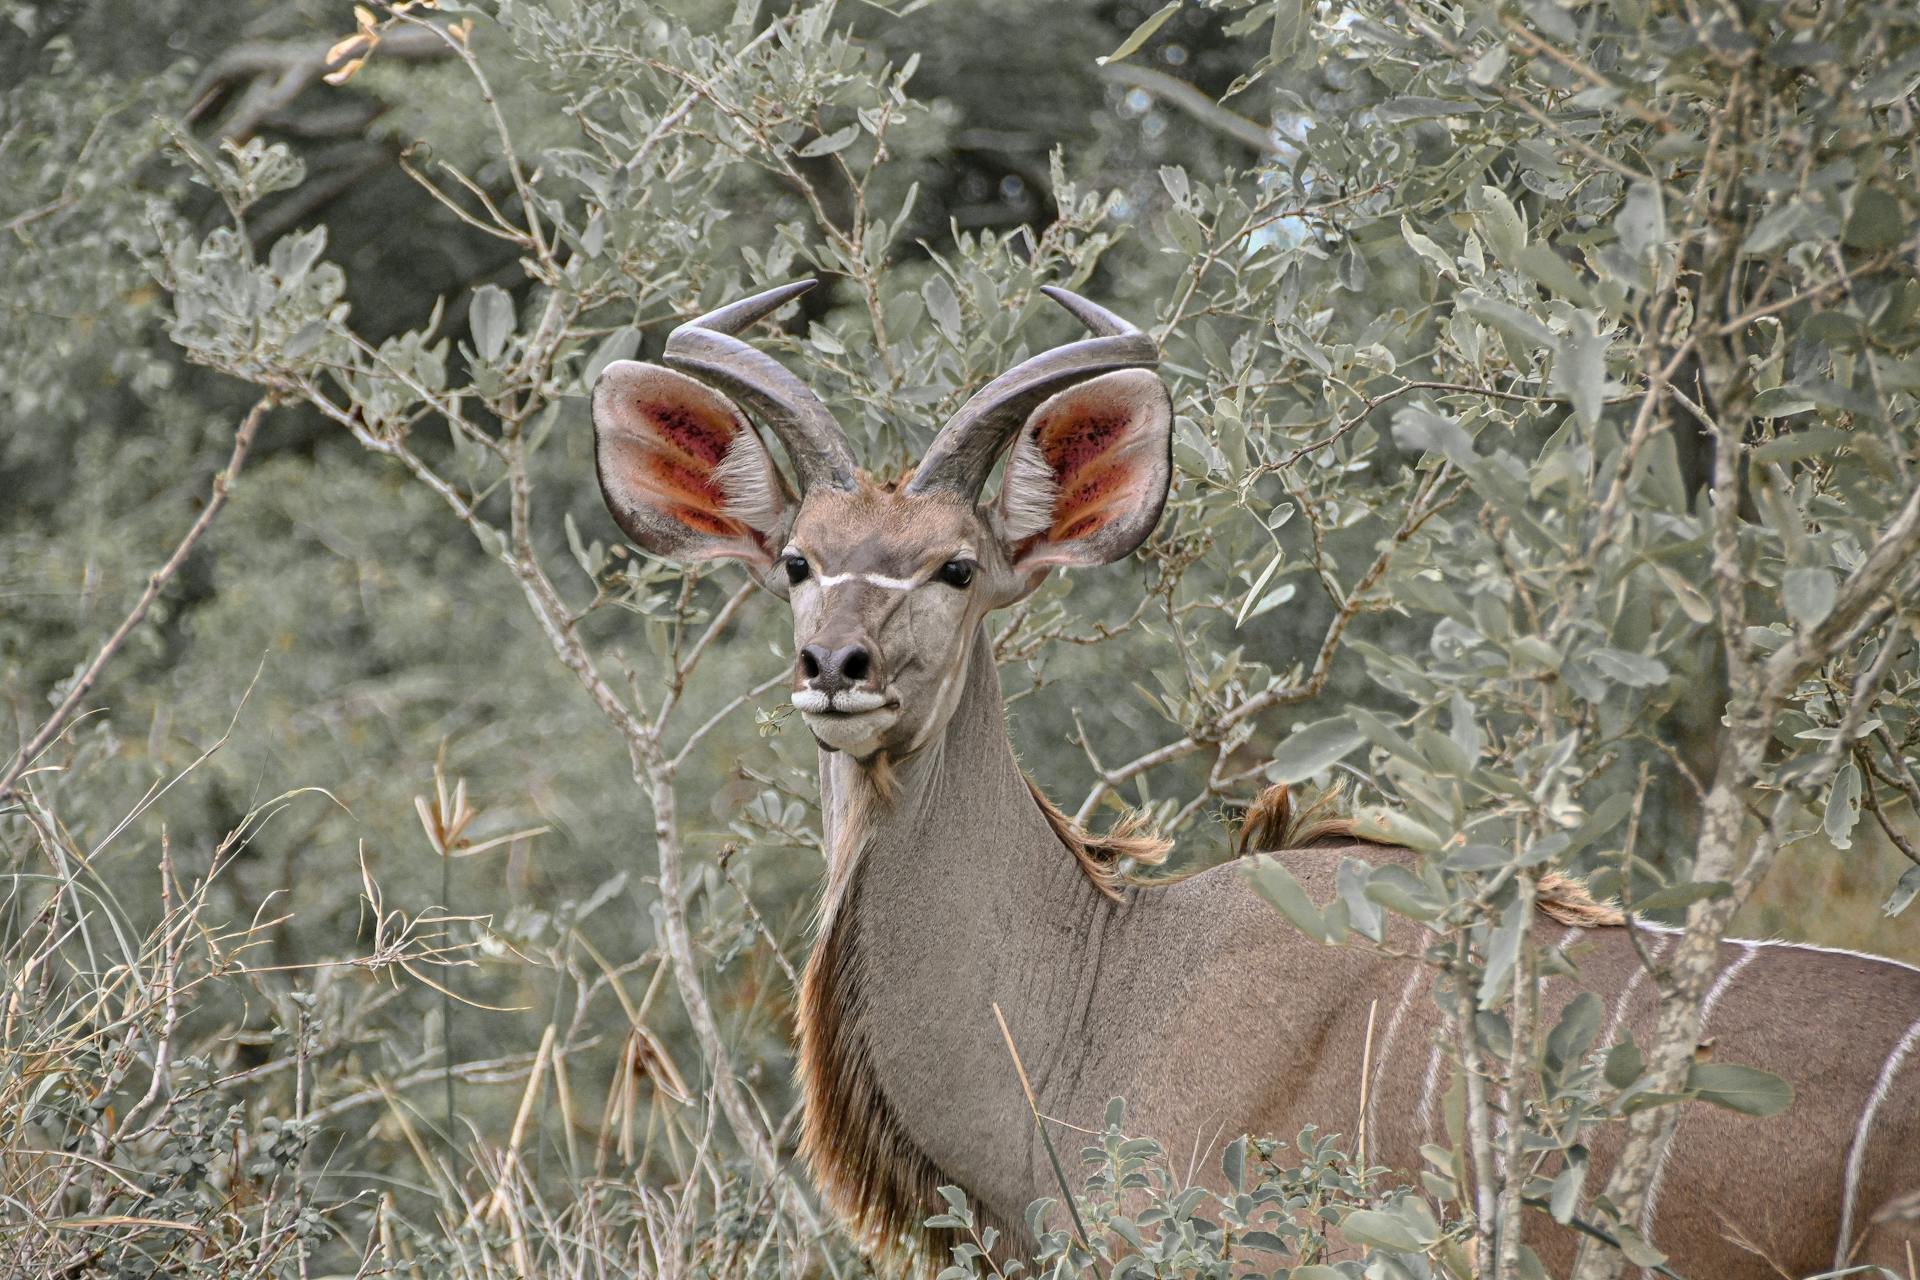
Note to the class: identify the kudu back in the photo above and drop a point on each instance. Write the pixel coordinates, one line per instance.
(953, 885)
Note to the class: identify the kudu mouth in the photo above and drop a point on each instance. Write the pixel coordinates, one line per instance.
(844, 702)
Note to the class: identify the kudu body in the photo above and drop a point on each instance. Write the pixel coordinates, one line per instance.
(953, 886)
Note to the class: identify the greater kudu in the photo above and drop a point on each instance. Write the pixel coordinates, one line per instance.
(954, 885)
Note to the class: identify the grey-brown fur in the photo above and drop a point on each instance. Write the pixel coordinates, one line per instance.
(1213, 1017)
(953, 887)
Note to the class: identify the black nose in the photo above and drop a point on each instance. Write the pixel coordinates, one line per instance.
(831, 671)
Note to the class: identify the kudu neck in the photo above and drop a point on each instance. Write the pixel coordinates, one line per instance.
(959, 807)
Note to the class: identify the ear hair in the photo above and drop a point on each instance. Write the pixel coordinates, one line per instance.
(755, 494)
(1027, 493)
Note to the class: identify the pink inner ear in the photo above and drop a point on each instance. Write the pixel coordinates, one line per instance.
(676, 474)
(1095, 481)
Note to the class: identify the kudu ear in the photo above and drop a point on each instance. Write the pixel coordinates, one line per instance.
(682, 471)
(1088, 475)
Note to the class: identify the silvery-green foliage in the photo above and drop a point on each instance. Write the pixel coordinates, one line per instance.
(1433, 524)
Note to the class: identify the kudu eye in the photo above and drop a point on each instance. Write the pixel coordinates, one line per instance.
(798, 570)
(956, 573)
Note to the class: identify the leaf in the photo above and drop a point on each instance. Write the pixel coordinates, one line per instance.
(827, 144)
(1500, 223)
(1635, 670)
(1426, 247)
(1791, 446)
(1363, 913)
(1635, 1246)
(1379, 1230)
(1233, 1163)
(1142, 33)
(1748, 1090)
(1903, 893)
(1253, 592)
(1843, 806)
(1624, 1064)
(490, 316)
(1642, 221)
(1876, 221)
(1580, 368)
(1565, 1197)
(1676, 897)
(1418, 431)
(942, 305)
(618, 345)
(1312, 748)
(1276, 884)
(1572, 1037)
(1502, 951)
(1398, 889)
(1808, 595)
(1692, 603)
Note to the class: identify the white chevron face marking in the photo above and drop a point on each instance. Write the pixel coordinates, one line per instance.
(870, 579)
(1857, 1154)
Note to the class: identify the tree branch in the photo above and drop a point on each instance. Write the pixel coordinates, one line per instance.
(216, 499)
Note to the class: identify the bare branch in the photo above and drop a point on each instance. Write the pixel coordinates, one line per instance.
(216, 499)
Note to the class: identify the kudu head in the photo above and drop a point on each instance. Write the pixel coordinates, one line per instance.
(888, 583)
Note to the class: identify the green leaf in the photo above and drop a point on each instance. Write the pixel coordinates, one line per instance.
(827, 144)
(1426, 247)
(1142, 33)
(1253, 592)
(1580, 368)
(1624, 1064)
(1362, 912)
(1642, 221)
(1808, 594)
(942, 305)
(1792, 446)
(1876, 221)
(1903, 893)
(1503, 949)
(1312, 748)
(1692, 603)
(1748, 1090)
(1541, 263)
(1635, 670)
(1389, 826)
(1418, 431)
(1276, 884)
(618, 345)
(1573, 1035)
(490, 317)
(1377, 1230)
(1676, 897)
(1635, 1246)
(1398, 889)
(1504, 230)
(1565, 1197)
(1843, 806)
(1233, 1163)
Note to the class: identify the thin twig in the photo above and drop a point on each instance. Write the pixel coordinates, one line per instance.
(158, 579)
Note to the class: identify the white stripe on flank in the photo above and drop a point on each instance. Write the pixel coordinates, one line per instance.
(1648, 926)
(1719, 988)
(1857, 1154)
(1386, 1048)
(871, 579)
(1657, 952)
(1423, 1117)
